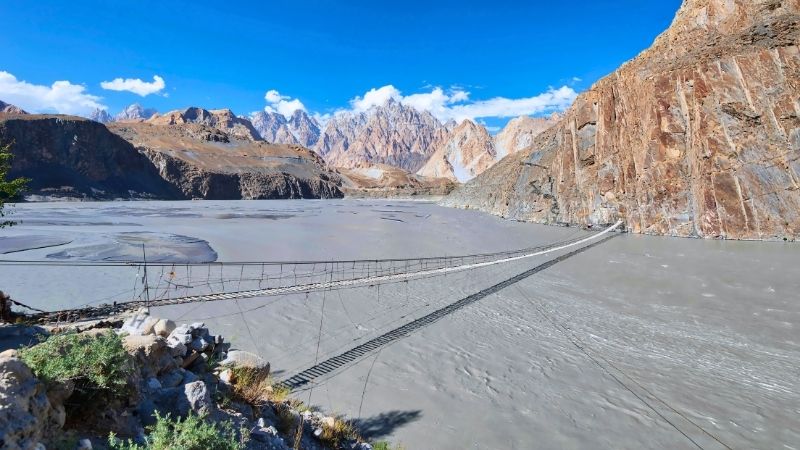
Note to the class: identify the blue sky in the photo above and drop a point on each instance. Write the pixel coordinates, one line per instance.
(323, 54)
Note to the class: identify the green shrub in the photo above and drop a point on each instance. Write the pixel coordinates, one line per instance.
(193, 433)
(9, 190)
(385, 445)
(97, 364)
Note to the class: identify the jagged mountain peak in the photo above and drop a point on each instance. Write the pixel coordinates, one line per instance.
(222, 119)
(8, 108)
(101, 115)
(135, 112)
(519, 133)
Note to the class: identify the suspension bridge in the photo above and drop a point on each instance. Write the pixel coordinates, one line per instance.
(165, 284)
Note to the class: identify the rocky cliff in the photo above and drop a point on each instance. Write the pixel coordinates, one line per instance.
(467, 151)
(697, 136)
(392, 134)
(206, 162)
(66, 156)
(223, 120)
(519, 133)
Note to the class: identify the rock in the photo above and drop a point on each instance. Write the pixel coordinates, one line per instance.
(178, 401)
(84, 444)
(180, 336)
(226, 376)
(197, 395)
(26, 414)
(188, 377)
(171, 379)
(164, 327)
(177, 348)
(200, 365)
(690, 138)
(190, 359)
(199, 344)
(261, 423)
(328, 421)
(263, 434)
(241, 358)
(218, 339)
(151, 353)
(153, 384)
(140, 324)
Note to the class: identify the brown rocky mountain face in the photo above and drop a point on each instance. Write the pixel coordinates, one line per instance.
(467, 151)
(221, 119)
(697, 136)
(66, 156)
(392, 134)
(519, 133)
(206, 162)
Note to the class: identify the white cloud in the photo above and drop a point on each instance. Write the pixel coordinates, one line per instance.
(551, 100)
(375, 97)
(282, 104)
(61, 97)
(456, 103)
(135, 85)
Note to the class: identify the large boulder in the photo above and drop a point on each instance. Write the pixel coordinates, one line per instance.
(153, 356)
(241, 358)
(26, 414)
(178, 401)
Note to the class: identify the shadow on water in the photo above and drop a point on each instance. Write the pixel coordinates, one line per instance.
(384, 424)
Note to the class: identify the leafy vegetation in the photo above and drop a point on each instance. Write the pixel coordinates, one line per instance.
(97, 364)
(384, 445)
(9, 190)
(193, 433)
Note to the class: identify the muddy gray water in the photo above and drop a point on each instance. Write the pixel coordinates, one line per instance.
(641, 342)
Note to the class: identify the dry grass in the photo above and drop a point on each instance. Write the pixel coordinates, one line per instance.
(256, 387)
(341, 431)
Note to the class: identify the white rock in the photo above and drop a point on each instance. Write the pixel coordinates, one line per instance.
(164, 327)
(84, 444)
(176, 347)
(328, 421)
(241, 358)
(139, 324)
(226, 376)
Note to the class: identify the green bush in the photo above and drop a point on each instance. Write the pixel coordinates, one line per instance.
(385, 445)
(193, 433)
(9, 190)
(98, 365)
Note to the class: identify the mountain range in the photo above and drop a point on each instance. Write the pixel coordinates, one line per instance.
(392, 134)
